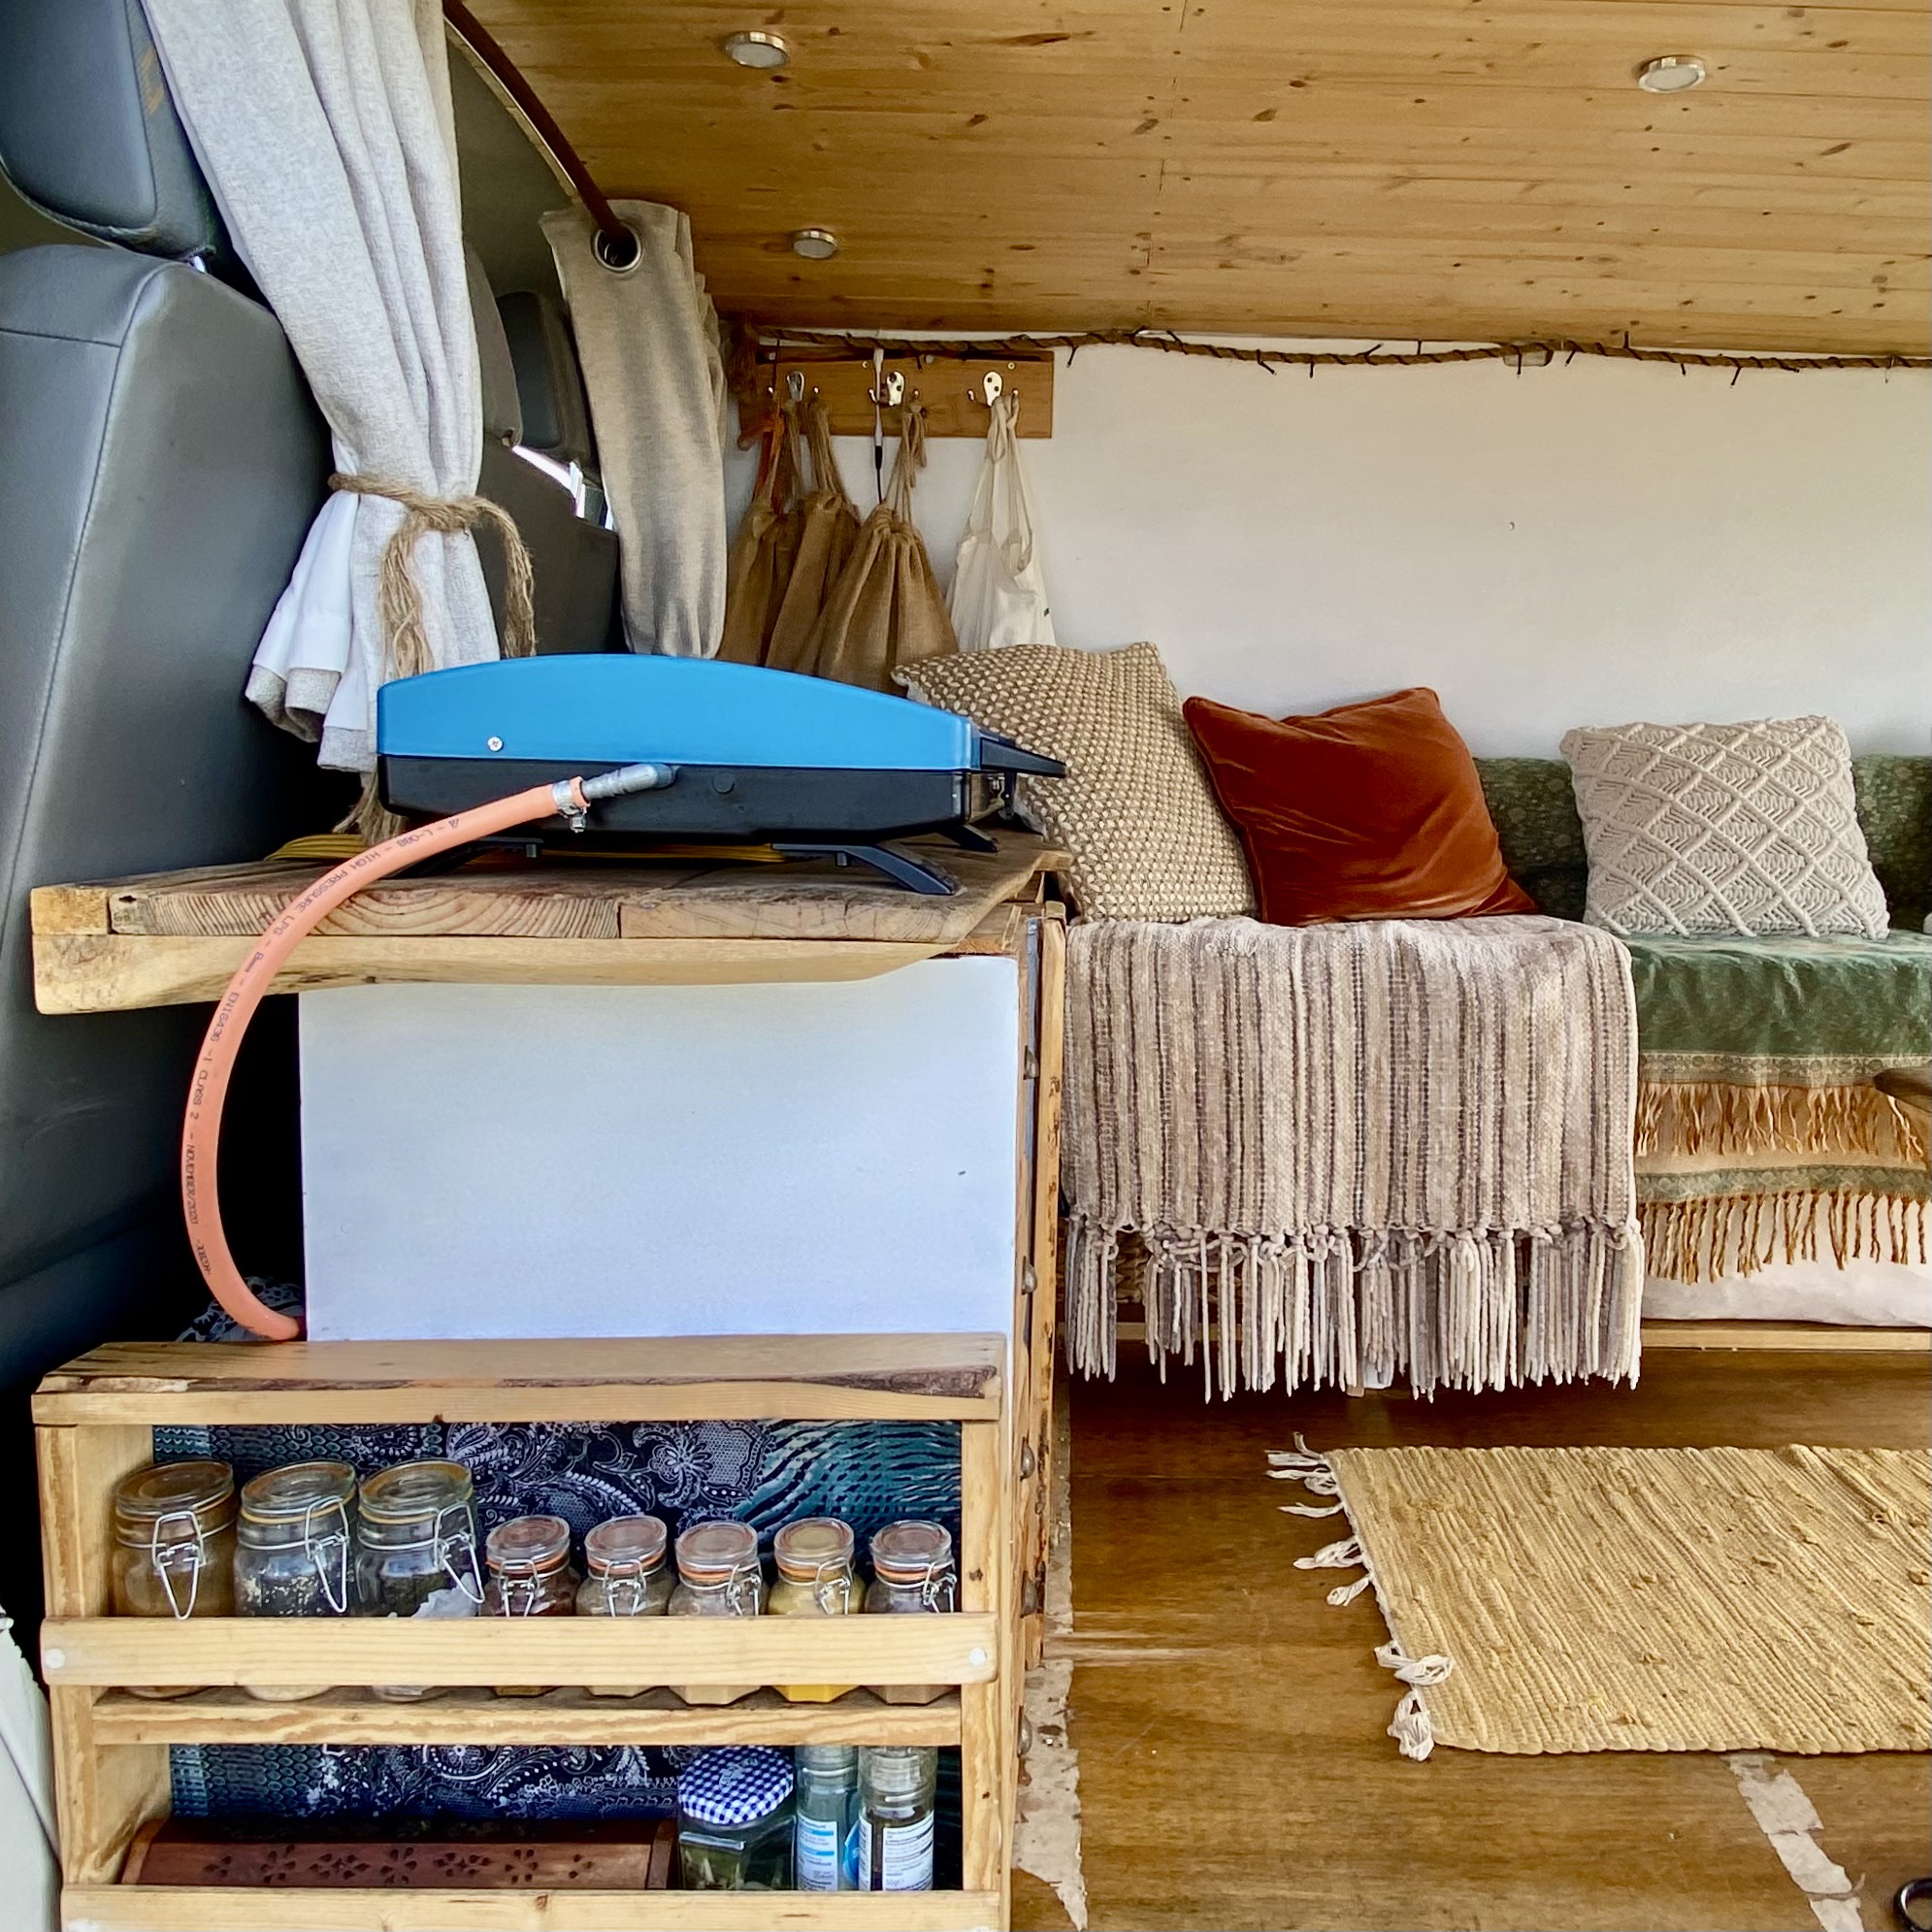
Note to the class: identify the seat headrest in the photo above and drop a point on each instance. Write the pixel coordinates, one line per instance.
(502, 414)
(556, 417)
(88, 134)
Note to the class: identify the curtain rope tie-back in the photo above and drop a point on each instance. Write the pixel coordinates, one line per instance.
(399, 596)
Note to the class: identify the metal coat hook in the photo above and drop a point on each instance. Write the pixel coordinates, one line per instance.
(795, 385)
(991, 387)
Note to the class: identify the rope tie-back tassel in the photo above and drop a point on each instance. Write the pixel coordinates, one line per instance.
(399, 601)
(1414, 1734)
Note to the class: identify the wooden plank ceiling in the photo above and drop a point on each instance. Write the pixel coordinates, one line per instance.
(1378, 168)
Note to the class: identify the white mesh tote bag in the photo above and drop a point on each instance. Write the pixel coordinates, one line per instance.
(998, 590)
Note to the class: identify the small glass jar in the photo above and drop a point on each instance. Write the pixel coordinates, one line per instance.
(173, 1527)
(734, 1820)
(912, 1574)
(813, 1557)
(825, 1818)
(292, 1552)
(717, 1575)
(415, 1550)
(529, 1559)
(625, 1575)
(898, 1789)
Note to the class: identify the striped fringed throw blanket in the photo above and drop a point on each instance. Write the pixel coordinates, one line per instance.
(1346, 1153)
(1760, 1138)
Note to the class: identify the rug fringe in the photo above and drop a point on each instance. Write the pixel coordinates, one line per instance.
(1414, 1734)
(1347, 1308)
(1713, 1235)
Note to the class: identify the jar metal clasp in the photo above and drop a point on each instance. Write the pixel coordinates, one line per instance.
(329, 1550)
(831, 1589)
(187, 1553)
(470, 1583)
(624, 1589)
(940, 1581)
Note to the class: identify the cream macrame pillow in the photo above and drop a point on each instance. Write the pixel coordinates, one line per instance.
(1745, 828)
(1140, 826)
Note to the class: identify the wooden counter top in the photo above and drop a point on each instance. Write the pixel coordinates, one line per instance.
(171, 939)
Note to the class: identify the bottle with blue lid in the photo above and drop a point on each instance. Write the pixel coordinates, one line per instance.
(734, 1819)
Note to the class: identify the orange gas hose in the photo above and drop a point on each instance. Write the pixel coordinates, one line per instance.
(208, 1090)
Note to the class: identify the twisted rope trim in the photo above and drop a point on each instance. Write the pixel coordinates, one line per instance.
(1534, 353)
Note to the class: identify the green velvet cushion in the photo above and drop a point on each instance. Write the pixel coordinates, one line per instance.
(1535, 811)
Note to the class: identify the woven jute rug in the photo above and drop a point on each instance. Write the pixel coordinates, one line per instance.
(1642, 1599)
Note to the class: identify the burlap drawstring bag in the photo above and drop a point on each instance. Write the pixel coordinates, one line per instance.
(828, 531)
(760, 564)
(886, 611)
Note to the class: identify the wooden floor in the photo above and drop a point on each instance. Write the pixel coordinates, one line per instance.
(1230, 1724)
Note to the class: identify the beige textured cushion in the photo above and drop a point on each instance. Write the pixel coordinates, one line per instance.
(1134, 812)
(1747, 828)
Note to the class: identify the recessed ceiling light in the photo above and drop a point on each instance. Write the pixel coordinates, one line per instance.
(815, 244)
(1671, 74)
(758, 50)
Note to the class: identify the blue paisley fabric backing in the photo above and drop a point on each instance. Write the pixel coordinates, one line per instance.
(868, 1474)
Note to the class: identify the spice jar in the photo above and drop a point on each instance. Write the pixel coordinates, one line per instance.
(292, 1552)
(814, 1561)
(734, 1820)
(529, 1559)
(625, 1575)
(898, 1785)
(717, 1575)
(174, 1526)
(825, 1816)
(416, 1554)
(912, 1573)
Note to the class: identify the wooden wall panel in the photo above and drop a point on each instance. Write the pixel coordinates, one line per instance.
(1399, 168)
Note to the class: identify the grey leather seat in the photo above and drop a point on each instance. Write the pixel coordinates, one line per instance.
(160, 461)
(575, 559)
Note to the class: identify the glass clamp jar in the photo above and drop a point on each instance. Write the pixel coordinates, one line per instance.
(813, 1557)
(825, 1818)
(912, 1574)
(174, 1529)
(292, 1554)
(529, 1559)
(717, 1575)
(415, 1554)
(734, 1820)
(625, 1575)
(898, 1789)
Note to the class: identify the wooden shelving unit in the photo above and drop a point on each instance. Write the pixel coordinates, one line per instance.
(94, 1420)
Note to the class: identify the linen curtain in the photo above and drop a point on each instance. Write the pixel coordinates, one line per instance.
(324, 128)
(27, 1836)
(647, 337)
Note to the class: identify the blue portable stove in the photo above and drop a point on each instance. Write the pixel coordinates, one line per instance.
(803, 765)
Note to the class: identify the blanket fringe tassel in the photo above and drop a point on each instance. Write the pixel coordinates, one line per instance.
(1693, 1117)
(1713, 1235)
(1414, 1735)
(1350, 1309)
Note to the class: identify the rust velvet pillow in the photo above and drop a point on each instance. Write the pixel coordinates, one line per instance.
(1368, 811)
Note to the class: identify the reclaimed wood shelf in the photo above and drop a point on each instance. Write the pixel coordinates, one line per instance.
(97, 1908)
(569, 1715)
(94, 1420)
(676, 1378)
(171, 938)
